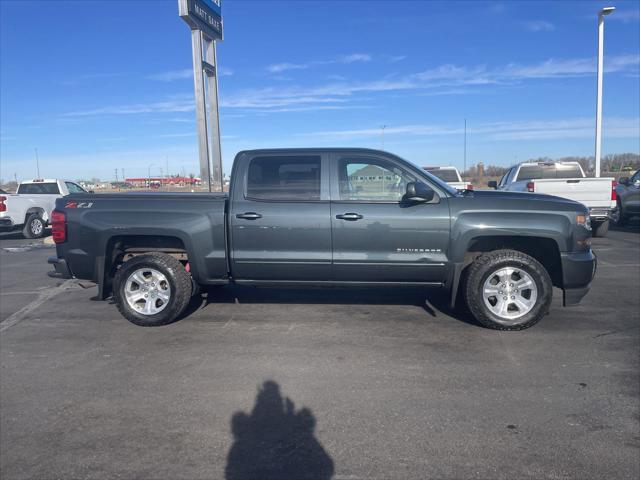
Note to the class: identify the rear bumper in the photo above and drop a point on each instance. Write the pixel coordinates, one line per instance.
(6, 223)
(61, 268)
(600, 212)
(578, 270)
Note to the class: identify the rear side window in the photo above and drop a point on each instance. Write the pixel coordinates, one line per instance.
(536, 172)
(447, 175)
(284, 178)
(39, 188)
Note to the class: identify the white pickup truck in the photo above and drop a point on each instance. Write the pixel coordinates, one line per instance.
(566, 180)
(30, 207)
(449, 175)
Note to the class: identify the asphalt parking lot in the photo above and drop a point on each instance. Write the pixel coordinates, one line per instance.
(326, 383)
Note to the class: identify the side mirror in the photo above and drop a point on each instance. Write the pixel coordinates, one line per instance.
(492, 184)
(418, 192)
(624, 181)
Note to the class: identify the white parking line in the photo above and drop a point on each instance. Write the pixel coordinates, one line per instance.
(43, 297)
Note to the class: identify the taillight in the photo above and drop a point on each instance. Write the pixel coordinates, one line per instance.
(531, 186)
(469, 187)
(3, 207)
(614, 194)
(59, 226)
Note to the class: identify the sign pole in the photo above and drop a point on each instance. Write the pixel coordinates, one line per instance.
(204, 18)
(210, 68)
(201, 107)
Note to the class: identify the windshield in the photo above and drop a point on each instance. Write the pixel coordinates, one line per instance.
(448, 175)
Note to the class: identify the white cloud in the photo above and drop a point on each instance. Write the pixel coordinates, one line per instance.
(351, 58)
(539, 26)
(575, 128)
(625, 16)
(172, 75)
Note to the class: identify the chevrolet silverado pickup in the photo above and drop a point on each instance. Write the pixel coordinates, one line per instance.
(328, 217)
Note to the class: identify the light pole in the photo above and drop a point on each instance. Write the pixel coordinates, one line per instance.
(382, 127)
(149, 174)
(605, 11)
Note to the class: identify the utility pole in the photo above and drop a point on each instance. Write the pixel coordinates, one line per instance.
(601, 15)
(116, 175)
(465, 147)
(37, 162)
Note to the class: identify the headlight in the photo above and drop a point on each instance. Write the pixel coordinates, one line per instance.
(584, 220)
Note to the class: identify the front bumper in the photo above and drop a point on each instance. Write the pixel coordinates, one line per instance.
(578, 270)
(61, 268)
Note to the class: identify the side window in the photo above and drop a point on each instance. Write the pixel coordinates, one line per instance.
(372, 179)
(284, 178)
(636, 177)
(73, 188)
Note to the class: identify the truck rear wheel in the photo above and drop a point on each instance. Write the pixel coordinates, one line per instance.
(600, 228)
(507, 290)
(152, 289)
(33, 227)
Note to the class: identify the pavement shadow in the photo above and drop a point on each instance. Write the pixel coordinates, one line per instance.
(275, 441)
(432, 301)
(632, 226)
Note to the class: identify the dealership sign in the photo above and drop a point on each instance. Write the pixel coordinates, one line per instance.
(205, 15)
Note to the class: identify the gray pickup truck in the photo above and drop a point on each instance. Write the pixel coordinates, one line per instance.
(328, 217)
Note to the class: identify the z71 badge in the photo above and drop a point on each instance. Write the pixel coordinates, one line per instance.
(74, 204)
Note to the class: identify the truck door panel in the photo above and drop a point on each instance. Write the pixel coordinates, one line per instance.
(279, 219)
(375, 236)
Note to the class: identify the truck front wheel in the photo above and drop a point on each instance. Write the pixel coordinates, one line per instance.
(152, 289)
(507, 290)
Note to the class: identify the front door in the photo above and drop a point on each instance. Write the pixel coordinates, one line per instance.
(279, 219)
(377, 237)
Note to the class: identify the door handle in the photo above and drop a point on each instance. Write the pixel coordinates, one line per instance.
(249, 215)
(352, 217)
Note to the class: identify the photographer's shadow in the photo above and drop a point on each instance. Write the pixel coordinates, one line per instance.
(276, 442)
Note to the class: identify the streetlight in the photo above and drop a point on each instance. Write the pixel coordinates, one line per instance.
(605, 11)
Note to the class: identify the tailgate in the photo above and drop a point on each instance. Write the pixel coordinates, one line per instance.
(591, 192)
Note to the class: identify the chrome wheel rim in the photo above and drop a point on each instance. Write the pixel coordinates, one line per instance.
(36, 226)
(509, 293)
(147, 291)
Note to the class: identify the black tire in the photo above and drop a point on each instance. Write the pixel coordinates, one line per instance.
(488, 263)
(622, 218)
(177, 277)
(600, 229)
(33, 226)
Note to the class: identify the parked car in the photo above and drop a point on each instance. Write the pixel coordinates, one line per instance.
(628, 201)
(30, 207)
(566, 180)
(326, 217)
(451, 176)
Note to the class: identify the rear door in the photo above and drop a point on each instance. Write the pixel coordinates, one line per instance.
(375, 236)
(279, 218)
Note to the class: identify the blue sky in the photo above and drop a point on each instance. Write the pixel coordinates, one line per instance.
(98, 85)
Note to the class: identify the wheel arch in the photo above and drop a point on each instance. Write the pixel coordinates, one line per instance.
(544, 249)
(120, 248)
